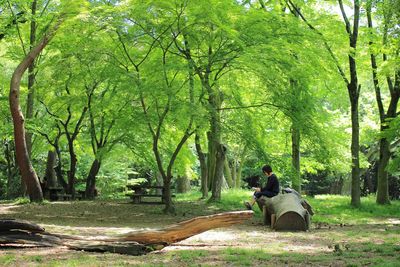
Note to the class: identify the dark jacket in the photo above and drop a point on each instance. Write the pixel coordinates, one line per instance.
(272, 186)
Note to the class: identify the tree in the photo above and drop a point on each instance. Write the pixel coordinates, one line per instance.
(353, 87)
(389, 21)
(27, 171)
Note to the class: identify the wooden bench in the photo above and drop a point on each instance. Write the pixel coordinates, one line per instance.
(140, 193)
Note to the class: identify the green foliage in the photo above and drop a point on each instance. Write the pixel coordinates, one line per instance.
(271, 72)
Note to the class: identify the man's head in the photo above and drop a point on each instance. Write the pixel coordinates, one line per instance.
(267, 170)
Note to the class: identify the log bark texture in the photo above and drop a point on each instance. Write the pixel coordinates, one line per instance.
(186, 229)
(286, 212)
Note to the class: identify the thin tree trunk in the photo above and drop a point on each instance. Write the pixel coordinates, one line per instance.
(91, 179)
(27, 172)
(72, 169)
(167, 198)
(58, 169)
(10, 163)
(228, 174)
(296, 179)
(382, 196)
(210, 160)
(50, 175)
(355, 151)
(239, 174)
(203, 167)
(234, 173)
(182, 184)
(219, 172)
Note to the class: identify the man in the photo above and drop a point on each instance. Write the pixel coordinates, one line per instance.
(271, 189)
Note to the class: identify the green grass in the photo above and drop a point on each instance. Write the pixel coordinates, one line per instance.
(7, 259)
(334, 209)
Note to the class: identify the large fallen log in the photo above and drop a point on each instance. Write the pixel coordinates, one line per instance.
(286, 211)
(15, 233)
(186, 229)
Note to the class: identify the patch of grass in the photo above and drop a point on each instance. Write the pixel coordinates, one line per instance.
(190, 256)
(7, 259)
(245, 257)
(21, 201)
(335, 209)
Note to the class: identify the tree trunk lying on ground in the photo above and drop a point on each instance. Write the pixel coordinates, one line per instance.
(18, 233)
(286, 211)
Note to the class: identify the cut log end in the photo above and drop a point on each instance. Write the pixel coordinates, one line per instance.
(292, 213)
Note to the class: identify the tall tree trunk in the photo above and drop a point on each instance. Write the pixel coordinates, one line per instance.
(296, 179)
(240, 167)
(91, 179)
(31, 77)
(182, 184)
(219, 172)
(167, 196)
(234, 173)
(214, 99)
(58, 168)
(382, 194)
(11, 168)
(72, 169)
(355, 151)
(210, 160)
(203, 167)
(27, 172)
(228, 174)
(50, 175)
(354, 92)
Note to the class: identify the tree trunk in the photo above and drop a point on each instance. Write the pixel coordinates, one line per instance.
(58, 169)
(31, 78)
(355, 146)
(239, 172)
(180, 231)
(234, 172)
(182, 184)
(296, 179)
(167, 196)
(27, 172)
(159, 181)
(382, 196)
(91, 179)
(50, 175)
(214, 99)
(12, 171)
(286, 212)
(227, 173)
(203, 167)
(219, 172)
(72, 169)
(210, 160)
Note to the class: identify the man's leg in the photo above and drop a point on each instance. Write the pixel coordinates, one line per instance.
(249, 204)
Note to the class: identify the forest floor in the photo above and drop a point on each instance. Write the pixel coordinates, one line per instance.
(360, 240)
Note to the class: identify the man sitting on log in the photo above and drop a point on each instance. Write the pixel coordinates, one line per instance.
(271, 189)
